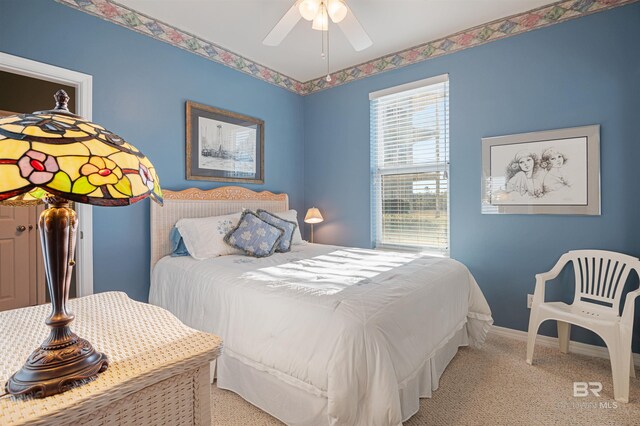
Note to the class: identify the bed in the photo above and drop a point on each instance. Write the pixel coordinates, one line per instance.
(321, 334)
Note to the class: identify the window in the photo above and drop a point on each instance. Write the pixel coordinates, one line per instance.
(410, 165)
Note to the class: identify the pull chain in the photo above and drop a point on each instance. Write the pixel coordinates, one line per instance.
(322, 54)
(328, 77)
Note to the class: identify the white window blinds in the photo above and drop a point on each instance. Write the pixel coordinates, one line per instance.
(409, 166)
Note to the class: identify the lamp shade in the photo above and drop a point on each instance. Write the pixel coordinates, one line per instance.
(337, 10)
(60, 153)
(321, 20)
(309, 8)
(313, 216)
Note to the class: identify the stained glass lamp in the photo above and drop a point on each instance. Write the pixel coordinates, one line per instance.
(56, 156)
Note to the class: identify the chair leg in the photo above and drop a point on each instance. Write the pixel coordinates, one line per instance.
(534, 324)
(564, 333)
(620, 354)
(632, 371)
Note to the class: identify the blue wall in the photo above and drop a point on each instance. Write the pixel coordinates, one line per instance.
(585, 71)
(140, 86)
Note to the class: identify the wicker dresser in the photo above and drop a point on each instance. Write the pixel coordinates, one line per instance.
(158, 367)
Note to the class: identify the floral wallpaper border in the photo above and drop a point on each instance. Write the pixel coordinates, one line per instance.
(505, 27)
(476, 36)
(139, 22)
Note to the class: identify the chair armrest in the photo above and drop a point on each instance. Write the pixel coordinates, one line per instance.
(629, 308)
(541, 279)
(555, 271)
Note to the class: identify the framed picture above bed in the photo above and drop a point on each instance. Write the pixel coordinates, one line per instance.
(548, 172)
(223, 146)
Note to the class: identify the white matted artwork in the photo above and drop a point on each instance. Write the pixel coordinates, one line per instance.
(223, 146)
(549, 172)
(226, 146)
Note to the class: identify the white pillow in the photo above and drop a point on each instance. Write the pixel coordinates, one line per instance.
(292, 216)
(204, 237)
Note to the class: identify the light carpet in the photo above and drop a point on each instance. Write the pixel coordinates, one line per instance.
(494, 386)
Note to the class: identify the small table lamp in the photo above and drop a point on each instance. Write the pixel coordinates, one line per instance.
(313, 216)
(57, 156)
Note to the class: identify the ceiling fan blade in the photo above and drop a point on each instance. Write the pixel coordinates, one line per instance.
(354, 31)
(284, 26)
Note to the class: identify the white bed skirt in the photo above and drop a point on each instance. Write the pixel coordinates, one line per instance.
(293, 406)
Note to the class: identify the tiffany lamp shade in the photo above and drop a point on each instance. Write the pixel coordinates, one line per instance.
(56, 156)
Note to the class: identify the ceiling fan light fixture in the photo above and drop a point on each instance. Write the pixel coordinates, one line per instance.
(321, 21)
(309, 9)
(337, 10)
(319, 12)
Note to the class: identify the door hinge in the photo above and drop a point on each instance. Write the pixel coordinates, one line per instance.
(81, 235)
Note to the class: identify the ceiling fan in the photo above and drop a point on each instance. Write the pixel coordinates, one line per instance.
(319, 11)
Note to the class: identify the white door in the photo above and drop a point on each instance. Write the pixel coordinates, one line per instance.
(83, 85)
(17, 282)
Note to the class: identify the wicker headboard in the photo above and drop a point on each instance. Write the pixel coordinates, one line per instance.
(195, 202)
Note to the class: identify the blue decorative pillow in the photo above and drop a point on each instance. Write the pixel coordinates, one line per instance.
(254, 236)
(289, 228)
(177, 244)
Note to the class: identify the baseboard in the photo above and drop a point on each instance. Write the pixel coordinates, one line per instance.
(552, 342)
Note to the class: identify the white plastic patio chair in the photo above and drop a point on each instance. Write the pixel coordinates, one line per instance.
(600, 278)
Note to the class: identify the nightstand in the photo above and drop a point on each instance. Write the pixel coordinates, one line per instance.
(158, 367)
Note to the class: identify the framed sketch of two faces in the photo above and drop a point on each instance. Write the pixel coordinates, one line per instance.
(549, 172)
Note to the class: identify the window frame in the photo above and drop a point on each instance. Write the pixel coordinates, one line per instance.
(377, 173)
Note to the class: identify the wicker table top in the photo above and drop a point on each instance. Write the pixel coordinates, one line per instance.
(144, 343)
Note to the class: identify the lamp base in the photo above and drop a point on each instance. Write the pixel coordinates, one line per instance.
(64, 358)
(49, 371)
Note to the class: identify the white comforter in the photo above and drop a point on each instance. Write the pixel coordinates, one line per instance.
(351, 325)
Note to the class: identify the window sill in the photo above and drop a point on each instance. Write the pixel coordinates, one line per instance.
(412, 249)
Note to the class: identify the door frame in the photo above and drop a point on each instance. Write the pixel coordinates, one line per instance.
(84, 103)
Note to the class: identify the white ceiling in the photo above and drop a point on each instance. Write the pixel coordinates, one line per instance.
(393, 25)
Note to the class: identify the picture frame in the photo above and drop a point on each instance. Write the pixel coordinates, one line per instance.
(546, 172)
(223, 146)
